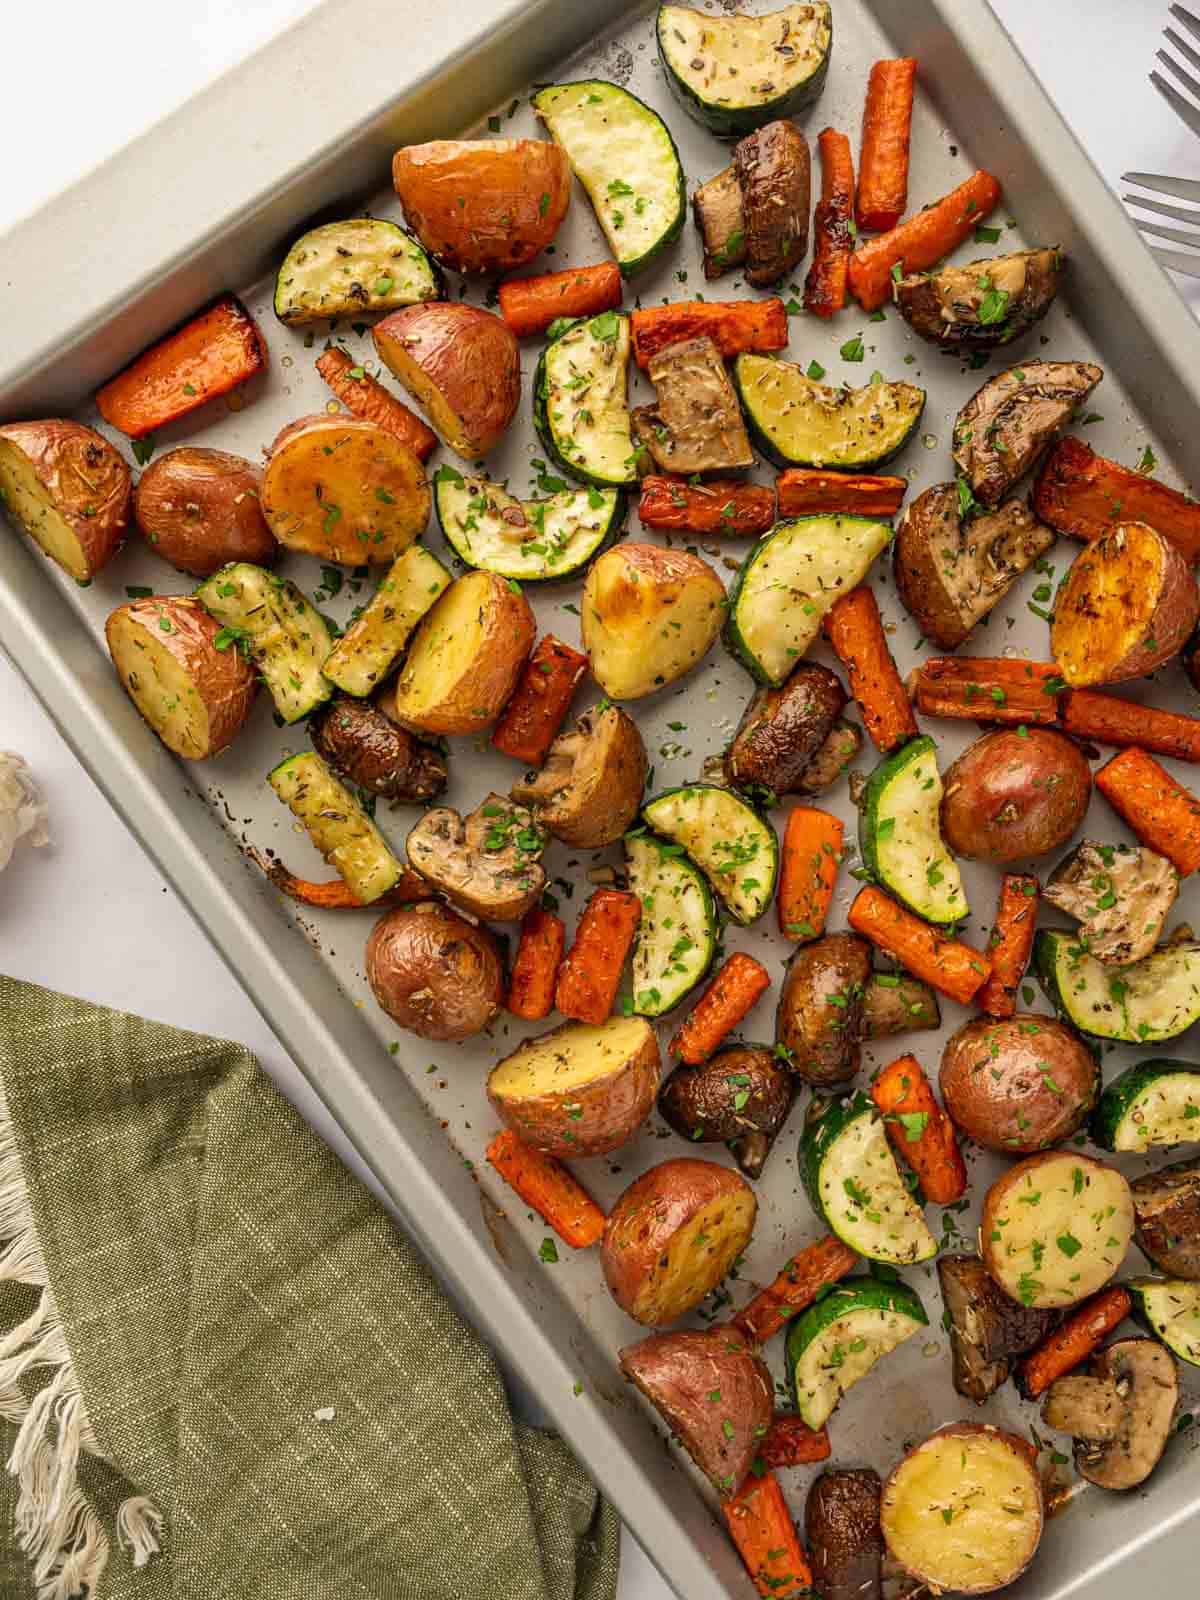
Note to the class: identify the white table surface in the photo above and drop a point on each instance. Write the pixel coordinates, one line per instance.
(90, 915)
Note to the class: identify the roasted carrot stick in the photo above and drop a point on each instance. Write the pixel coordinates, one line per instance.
(920, 1131)
(988, 690)
(1073, 1341)
(548, 1188)
(947, 964)
(535, 965)
(1090, 715)
(530, 305)
(762, 1528)
(812, 853)
(825, 286)
(336, 894)
(588, 978)
(1162, 813)
(808, 1272)
(732, 993)
(803, 490)
(207, 357)
(366, 397)
(922, 241)
(721, 505)
(732, 325)
(1010, 942)
(855, 630)
(1085, 495)
(792, 1443)
(540, 701)
(883, 159)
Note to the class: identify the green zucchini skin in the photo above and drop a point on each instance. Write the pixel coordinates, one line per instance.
(655, 817)
(541, 570)
(287, 637)
(867, 1300)
(545, 432)
(867, 458)
(657, 992)
(1147, 1002)
(296, 309)
(1114, 1123)
(1158, 1303)
(877, 810)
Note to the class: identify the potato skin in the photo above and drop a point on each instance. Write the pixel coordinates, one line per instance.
(631, 594)
(462, 364)
(1012, 795)
(740, 1097)
(516, 194)
(820, 1034)
(199, 510)
(783, 729)
(434, 973)
(1018, 1085)
(82, 477)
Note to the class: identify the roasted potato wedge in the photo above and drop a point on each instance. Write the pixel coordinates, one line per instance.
(739, 1097)
(845, 1543)
(1167, 1207)
(68, 489)
(783, 730)
(434, 973)
(357, 740)
(199, 509)
(649, 615)
(983, 304)
(461, 364)
(1002, 430)
(1015, 794)
(486, 864)
(589, 790)
(1018, 1085)
(818, 1023)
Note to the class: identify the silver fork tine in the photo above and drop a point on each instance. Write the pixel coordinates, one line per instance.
(1179, 213)
(1180, 188)
(1190, 21)
(1188, 265)
(1172, 65)
(1184, 48)
(1184, 108)
(1175, 235)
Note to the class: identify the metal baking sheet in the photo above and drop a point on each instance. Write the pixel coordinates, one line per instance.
(245, 174)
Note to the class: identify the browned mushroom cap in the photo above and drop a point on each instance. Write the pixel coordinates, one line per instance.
(783, 730)
(832, 760)
(1005, 426)
(894, 1003)
(984, 303)
(774, 171)
(739, 1097)
(1085, 1407)
(487, 865)
(696, 423)
(717, 205)
(841, 1521)
(818, 1022)
(589, 790)
(1142, 1375)
(987, 1329)
(1120, 896)
(375, 753)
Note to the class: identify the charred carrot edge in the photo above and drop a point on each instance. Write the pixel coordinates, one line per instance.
(855, 630)
(887, 129)
(207, 357)
(808, 1272)
(535, 965)
(548, 1188)
(335, 894)
(734, 326)
(732, 993)
(1073, 1341)
(812, 853)
(825, 285)
(922, 241)
(530, 305)
(540, 701)
(988, 690)
(365, 397)
(790, 1442)
(803, 490)
(588, 977)
(761, 1526)
(1162, 813)
(722, 505)
(1103, 717)
(920, 1131)
(947, 964)
(1010, 942)
(1085, 495)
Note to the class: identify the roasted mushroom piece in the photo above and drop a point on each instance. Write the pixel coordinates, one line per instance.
(1089, 1408)
(1166, 1206)
(696, 423)
(832, 760)
(1120, 896)
(783, 730)
(486, 865)
(818, 1023)
(983, 304)
(740, 1097)
(987, 1329)
(357, 740)
(590, 787)
(1120, 1453)
(894, 1003)
(845, 1544)
(774, 172)
(1004, 427)
(717, 206)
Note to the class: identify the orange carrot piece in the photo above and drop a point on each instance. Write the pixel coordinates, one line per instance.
(947, 964)
(588, 978)
(535, 965)
(988, 690)
(1162, 813)
(365, 397)
(1090, 715)
(812, 853)
(733, 325)
(207, 357)
(1073, 1341)
(808, 1272)
(790, 1442)
(825, 285)
(530, 305)
(548, 1188)
(855, 630)
(922, 241)
(803, 490)
(1010, 942)
(883, 159)
(540, 701)
(729, 997)
(336, 894)
(718, 506)
(920, 1131)
(761, 1526)
(1086, 495)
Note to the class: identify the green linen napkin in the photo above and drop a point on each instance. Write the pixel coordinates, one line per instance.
(223, 1371)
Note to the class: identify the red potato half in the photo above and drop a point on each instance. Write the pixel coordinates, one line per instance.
(1018, 1085)
(1128, 604)
(69, 490)
(1012, 795)
(461, 364)
(198, 509)
(194, 695)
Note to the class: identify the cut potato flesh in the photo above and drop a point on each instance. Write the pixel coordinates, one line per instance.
(160, 686)
(1112, 606)
(568, 1059)
(364, 654)
(25, 496)
(1060, 1230)
(450, 639)
(699, 1255)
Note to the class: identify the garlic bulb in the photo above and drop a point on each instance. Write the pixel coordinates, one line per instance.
(23, 812)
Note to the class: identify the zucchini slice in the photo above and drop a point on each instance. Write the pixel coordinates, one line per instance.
(343, 269)
(579, 405)
(1170, 1308)
(900, 833)
(677, 936)
(1154, 999)
(852, 1179)
(285, 635)
(839, 1339)
(336, 823)
(800, 423)
(526, 539)
(789, 581)
(364, 655)
(625, 158)
(1154, 1103)
(733, 846)
(735, 73)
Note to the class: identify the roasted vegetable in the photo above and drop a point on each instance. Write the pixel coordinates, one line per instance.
(677, 933)
(983, 304)
(649, 615)
(717, 208)
(774, 173)
(1167, 1208)
(855, 629)
(1119, 894)
(540, 702)
(728, 999)
(363, 656)
(589, 790)
(338, 825)
(900, 833)
(1095, 717)
(1005, 426)
(590, 974)
(983, 689)
(883, 163)
(733, 846)
(798, 422)
(832, 760)
(734, 326)
(1156, 998)
(357, 740)
(434, 973)
(530, 540)
(1086, 495)
(1010, 943)
(845, 1544)
(1170, 1309)
(1012, 795)
(461, 364)
(851, 1176)
(1073, 1341)
(1153, 1103)
(783, 729)
(812, 853)
(486, 863)
(1020, 1084)
(835, 1343)
(68, 489)
(894, 1003)
(342, 269)
(987, 1328)
(199, 509)
(1130, 1402)
(695, 424)
(739, 1097)
(530, 305)
(267, 619)
(948, 964)
(921, 240)
(820, 1008)
(548, 1188)
(1159, 811)
(365, 397)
